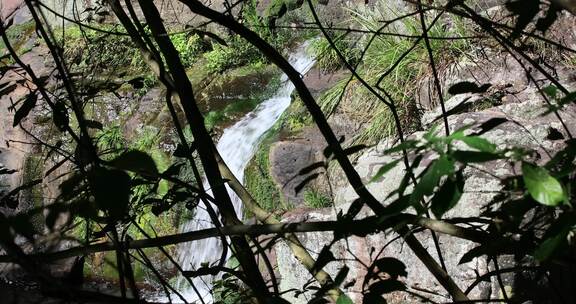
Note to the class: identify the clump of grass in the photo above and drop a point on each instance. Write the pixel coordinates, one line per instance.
(386, 54)
(327, 57)
(315, 199)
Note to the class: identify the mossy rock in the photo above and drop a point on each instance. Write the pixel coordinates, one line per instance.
(278, 8)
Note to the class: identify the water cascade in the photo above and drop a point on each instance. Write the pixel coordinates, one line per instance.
(236, 146)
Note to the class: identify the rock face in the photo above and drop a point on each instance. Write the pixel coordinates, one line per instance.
(520, 109)
(287, 160)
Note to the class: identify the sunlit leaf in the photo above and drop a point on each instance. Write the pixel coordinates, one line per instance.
(344, 299)
(543, 188)
(479, 143)
(439, 168)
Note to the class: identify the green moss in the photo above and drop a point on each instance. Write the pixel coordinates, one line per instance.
(296, 117)
(18, 35)
(33, 197)
(278, 8)
(258, 180)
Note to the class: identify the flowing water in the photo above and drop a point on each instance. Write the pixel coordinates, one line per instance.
(236, 146)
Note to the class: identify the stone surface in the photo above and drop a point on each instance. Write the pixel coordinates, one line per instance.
(526, 126)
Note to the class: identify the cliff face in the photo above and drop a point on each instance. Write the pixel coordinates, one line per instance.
(522, 124)
(512, 101)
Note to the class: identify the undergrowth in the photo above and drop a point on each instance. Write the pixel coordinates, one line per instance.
(385, 51)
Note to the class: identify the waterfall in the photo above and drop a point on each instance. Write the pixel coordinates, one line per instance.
(236, 146)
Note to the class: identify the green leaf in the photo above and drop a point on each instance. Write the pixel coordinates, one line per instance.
(570, 97)
(344, 299)
(543, 188)
(550, 245)
(551, 91)
(135, 161)
(387, 167)
(24, 110)
(439, 168)
(448, 195)
(479, 143)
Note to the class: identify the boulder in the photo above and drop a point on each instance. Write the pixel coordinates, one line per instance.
(523, 123)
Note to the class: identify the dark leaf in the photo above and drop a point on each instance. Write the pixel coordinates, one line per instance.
(22, 225)
(490, 124)
(54, 212)
(7, 88)
(448, 195)
(391, 266)
(467, 87)
(341, 276)
(5, 171)
(326, 256)
(111, 189)
(135, 161)
(312, 167)
(371, 298)
(545, 22)
(494, 247)
(60, 114)
(551, 245)
(181, 151)
(474, 156)
(24, 110)
(525, 10)
(562, 163)
(354, 149)
(94, 124)
(354, 209)
(406, 145)
(439, 168)
(386, 286)
(173, 170)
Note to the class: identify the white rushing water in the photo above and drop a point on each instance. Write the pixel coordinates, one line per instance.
(236, 146)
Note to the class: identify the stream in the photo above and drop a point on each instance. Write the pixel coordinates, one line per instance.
(236, 146)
